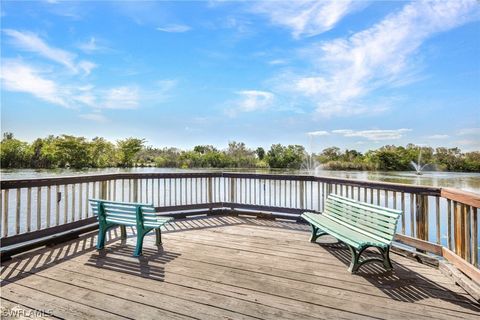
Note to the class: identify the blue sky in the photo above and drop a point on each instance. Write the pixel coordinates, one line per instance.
(346, 73)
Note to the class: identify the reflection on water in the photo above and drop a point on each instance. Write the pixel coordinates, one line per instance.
(464, 181)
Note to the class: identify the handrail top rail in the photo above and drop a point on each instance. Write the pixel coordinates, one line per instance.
(468, 198)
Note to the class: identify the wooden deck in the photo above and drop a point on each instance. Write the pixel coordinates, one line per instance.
(225, 268)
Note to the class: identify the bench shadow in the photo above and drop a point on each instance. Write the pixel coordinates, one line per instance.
(401, 283)
(29, 263)
(118, 258)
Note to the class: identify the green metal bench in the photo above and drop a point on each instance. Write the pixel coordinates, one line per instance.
(357, 224)
(142, 216)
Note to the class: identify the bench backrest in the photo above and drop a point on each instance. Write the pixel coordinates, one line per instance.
(125, 213)
(377, 222)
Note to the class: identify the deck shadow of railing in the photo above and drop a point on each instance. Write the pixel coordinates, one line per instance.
(40, 259)
(118, 258)
(34, 261)
(401, 283)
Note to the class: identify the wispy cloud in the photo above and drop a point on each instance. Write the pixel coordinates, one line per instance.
(306, 18)
(175, 28)
(20, 77)
(373, 135)
(31, 42)
(251, 100)
(345, 71)
(468, 132)
(318, 133)
(96, 117)
(275, 62)
(438, 136)
(93, 45)
(126, 97)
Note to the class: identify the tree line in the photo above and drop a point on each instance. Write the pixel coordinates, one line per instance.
(78, 152)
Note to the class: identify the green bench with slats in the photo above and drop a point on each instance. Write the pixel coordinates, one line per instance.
(142, 216)
(359, 225)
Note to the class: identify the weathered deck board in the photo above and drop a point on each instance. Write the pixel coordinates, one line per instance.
(226, 267)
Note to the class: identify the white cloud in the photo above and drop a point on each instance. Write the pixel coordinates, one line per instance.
(89, 46)
(86, 66)
(373, 135)
(249, 101)
(31, 42)
(19, 77)
(97, 117)
(176, 28)
(468, 131)
(438, 136)
(345, 71)
(306, 18)
(277, 62)
(318, 133)
(253, 100)
(122, 98)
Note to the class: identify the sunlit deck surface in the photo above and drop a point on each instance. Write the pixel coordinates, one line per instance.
(222, 267)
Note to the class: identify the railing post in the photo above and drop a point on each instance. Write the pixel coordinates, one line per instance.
(135, 190)
(232, 191)
(209, 188)
(302, 194)
(103, 190)
(459, 229)
(422, 216)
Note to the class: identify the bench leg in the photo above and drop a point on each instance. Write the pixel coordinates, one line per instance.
(355, 263)
(123, 232)
(315, 233)
(102, 234)
(386, 258)
(158, 237)
(138, 248)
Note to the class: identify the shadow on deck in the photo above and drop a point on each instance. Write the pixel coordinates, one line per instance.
(225, 266)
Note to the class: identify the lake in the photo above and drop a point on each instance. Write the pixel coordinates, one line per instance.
(459, 180)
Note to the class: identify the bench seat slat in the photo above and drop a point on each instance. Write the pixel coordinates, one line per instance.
(361, 228)
(388, 212)
(342, 232)
(360, 222)
(358, 216)
(364, 211)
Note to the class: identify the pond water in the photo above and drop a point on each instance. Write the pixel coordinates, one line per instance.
(464, 181)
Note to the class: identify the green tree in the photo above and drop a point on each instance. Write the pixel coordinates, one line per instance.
(102, 153)
(14, 153)
(72, 151)
(128, 149)
(290, 157)
(260, 153)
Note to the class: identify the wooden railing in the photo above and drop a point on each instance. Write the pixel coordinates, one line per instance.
(434, 219)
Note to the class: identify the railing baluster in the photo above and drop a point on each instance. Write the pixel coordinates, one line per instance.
(39, 208)
(475, 236)
(5, 214)
(468, 233)
(65, 204)
(153, 193)
(412, 215)
(29, 209)
(437, 216)
(80, 201)
(402, 197)
(449, 224)
(17, 211)
(49, 199)
(87, 195)
(73, 202)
